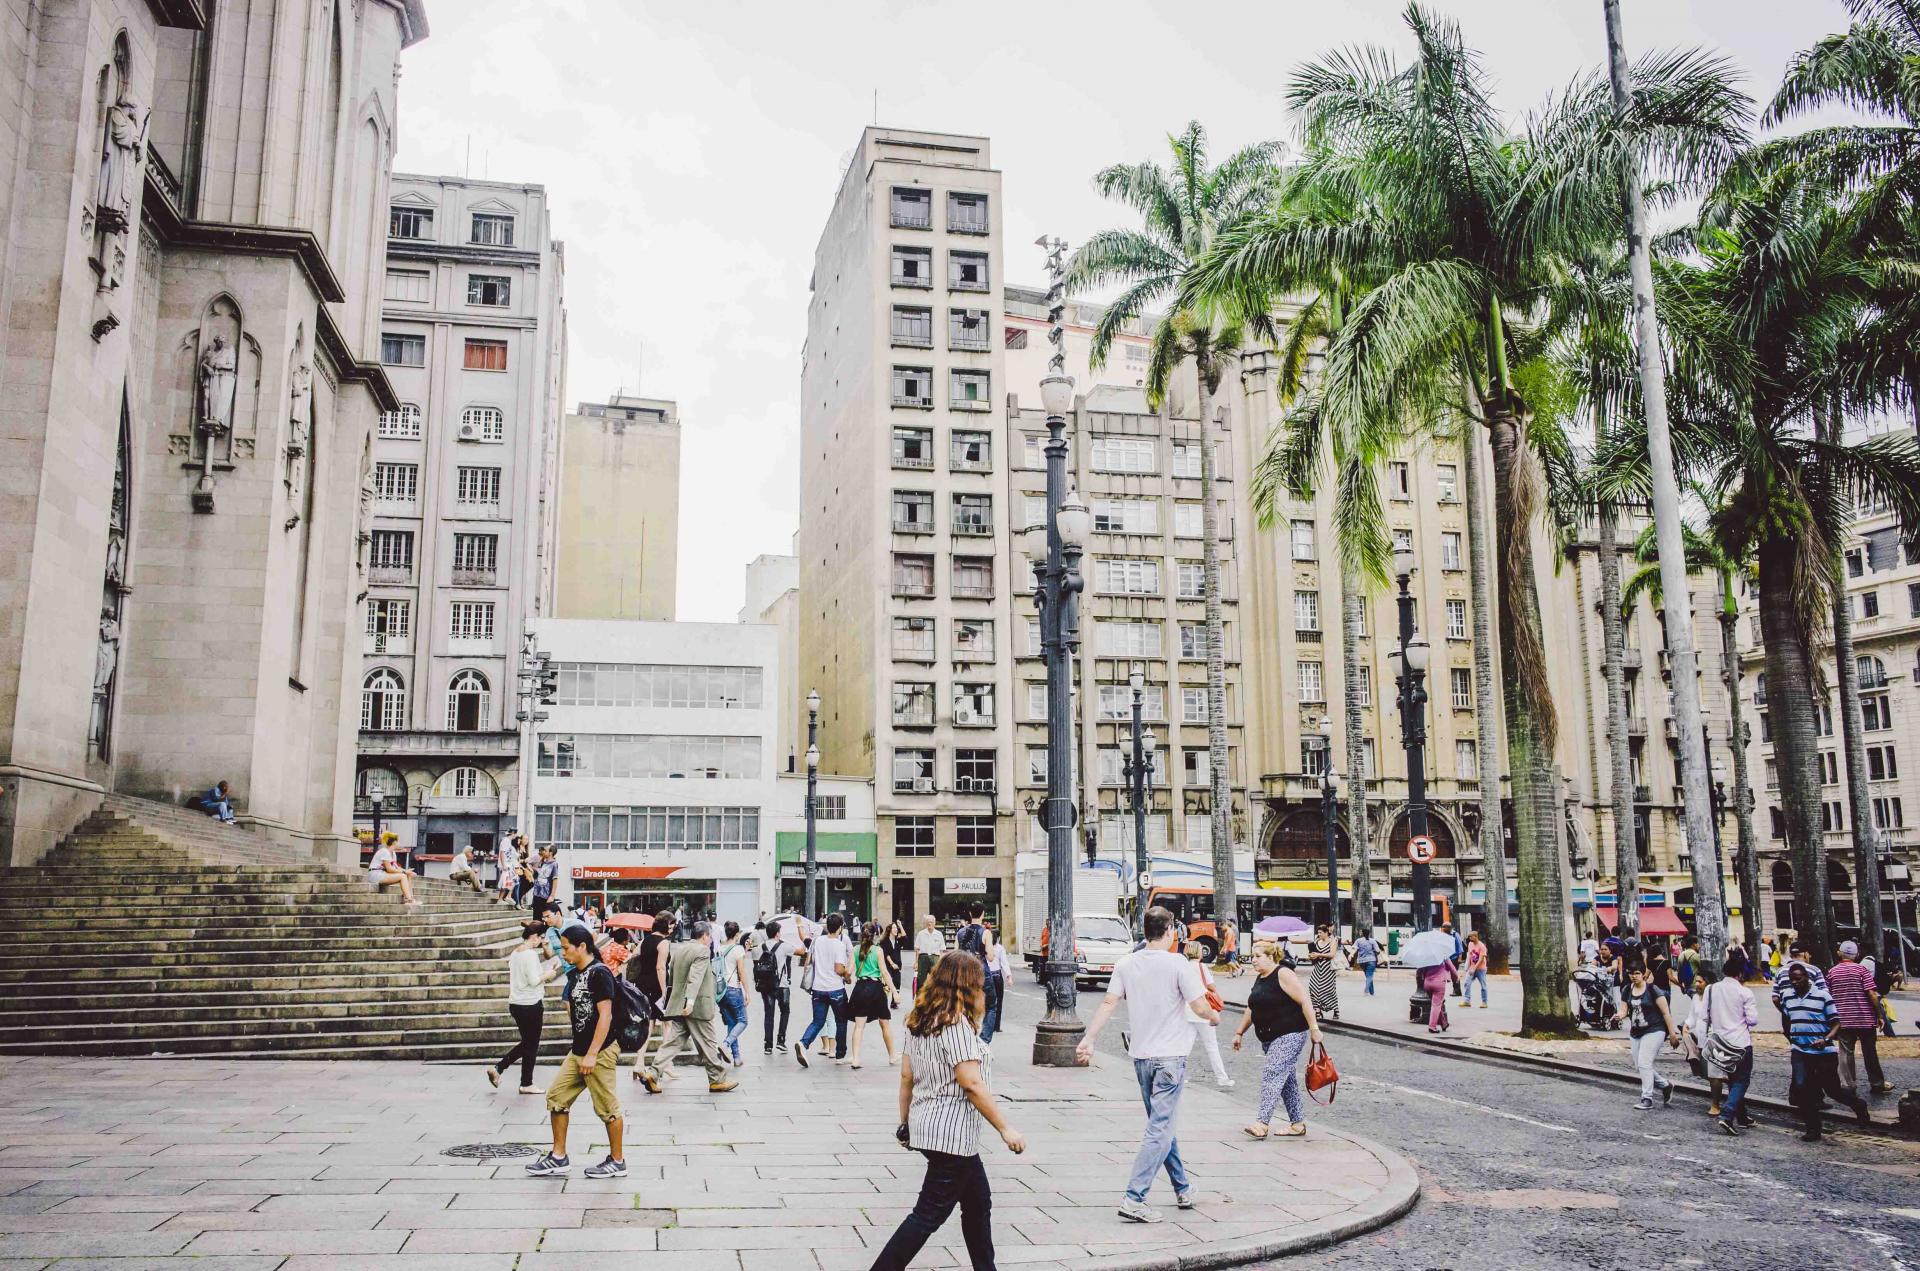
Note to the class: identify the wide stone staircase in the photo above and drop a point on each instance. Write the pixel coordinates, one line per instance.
(154, 930)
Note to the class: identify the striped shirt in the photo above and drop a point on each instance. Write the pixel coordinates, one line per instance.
(1783, 982)
(1851, 984)
(1808, 1018)
(941, 1118)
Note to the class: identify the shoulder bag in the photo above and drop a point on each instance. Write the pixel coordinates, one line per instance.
(1322, 1075)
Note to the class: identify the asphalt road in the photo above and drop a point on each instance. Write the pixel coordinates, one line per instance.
(1537, 1173)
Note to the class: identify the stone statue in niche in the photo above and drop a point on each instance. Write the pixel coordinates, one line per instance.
(299, 433)
(106, 660)
(123, 152)
(219, 373)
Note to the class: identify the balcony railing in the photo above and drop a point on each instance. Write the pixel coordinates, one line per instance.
(913, 461)
(913, 280)
(973, 527)
(967, 284)
(970, 403)
(913, 217)
(382, 742)
(973, 591)
(911, 340)
(915, 403)
(390, 573)
(474, 577)
(912, 590)
(1637, 727)
(1306, 635)
(1643, 794)
(901, 526)
(969, 343)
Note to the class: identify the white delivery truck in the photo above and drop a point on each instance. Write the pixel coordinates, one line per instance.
(1100, 933)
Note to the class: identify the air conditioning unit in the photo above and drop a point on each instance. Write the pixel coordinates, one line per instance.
(469, 432)
(923, 785)
(961, 715)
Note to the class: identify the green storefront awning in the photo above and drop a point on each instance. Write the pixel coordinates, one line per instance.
(790, 848)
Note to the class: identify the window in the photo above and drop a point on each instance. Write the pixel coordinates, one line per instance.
(913, 639)
(1832, 818)
(1466, 760)
(970, 452)
(388, 620)
(649, 756)
(1882, 765)
(1014, 337)
(410, 222)
(1116, 702)
(489, 289)
(912, 575)
(1315, 755)
(1186, 460)
(1033, 637)
(1121, 454)
(969, 329)
(474, 556)
(912, 512)
(1303, 548)
(467, 700)
(913, 836)
(967, 271)
(968, 390)
(1036, 765)
(1193, 642)
(972, 640)
(1195, 766)
(1193, 704)
(1456, 619)
(477, 487)
(1913, 600)
(913, 705)
(1856, 562)
(973, 771)
(913, 328)
(403, 350)
(973, 835)
(1871, 671)
(1399, 479)
(490, 229)
(402, 424)
(967, 213)
(1189, 520)
(1766, 727)
(1033, 451)
(1887, 814)
(1460, 680)
(973, 705)
(1823, 718)
(1033, 510)
(659, 828)
(1126, 576)
(486, 355)
(1127, 639)
(1199, 833)
(383, 702)
(1306, 612)
(1876, 714)
(1364, 682)
(1778, 821)
(414, 285)
(1125, 516)
(973, 577)
(913, 771)
(1870, 604)
(829, 807)
(1137, 354)
(1450, 557)
(912, 267)
(658, 684)
(1773, 775)
(913, 386)
(391, 550)
(1113, 767)
(913, 447)
(1446, 477)
(396, 482)
(1037, 699)
(1190, 579)
(1310, 686)
(912, 208)
(470, 620)
(483, 423)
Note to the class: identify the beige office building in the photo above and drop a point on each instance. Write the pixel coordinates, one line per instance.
(904, 569)
(617, 529)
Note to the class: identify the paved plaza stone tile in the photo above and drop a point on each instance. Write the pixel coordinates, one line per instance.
(207, 1165)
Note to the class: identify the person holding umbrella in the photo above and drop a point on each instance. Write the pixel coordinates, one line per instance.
(1430, 955)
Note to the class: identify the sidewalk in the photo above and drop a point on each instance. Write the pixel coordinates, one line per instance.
(315, 1166)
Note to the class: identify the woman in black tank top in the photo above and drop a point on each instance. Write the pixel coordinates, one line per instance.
(1281, 1015)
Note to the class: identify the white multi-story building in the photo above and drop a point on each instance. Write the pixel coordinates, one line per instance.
(473, 335)
(657, 766)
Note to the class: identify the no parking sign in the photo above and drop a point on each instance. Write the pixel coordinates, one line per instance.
(1420, 850)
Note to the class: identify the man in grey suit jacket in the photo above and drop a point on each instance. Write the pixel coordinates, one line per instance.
(692, 1011)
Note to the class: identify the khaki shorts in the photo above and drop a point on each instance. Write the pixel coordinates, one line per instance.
(569, 1082)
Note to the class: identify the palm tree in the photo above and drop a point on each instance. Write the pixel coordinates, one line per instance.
(1493, 854)
(1462, 224)
(1182, 211)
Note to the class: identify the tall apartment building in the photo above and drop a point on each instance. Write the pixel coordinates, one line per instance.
(617, 530)
(903, 552)
(473, 335)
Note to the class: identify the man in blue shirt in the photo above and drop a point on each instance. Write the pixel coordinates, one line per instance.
(1810, 1022)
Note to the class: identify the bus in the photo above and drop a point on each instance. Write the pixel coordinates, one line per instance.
(1303, 899)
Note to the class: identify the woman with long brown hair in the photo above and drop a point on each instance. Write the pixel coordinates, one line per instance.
(873, 994)
(944, 1098)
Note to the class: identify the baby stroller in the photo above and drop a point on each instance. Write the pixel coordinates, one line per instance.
(1594, 1005)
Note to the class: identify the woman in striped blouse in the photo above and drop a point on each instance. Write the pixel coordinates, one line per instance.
(943, 1100)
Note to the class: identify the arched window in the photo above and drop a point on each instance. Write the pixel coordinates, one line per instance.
(1837, 880)
(1437, 830)
(483, 423)
(467, 701)
(464, 783)
(1302, 836)
(1782, 876)
(384, 782)
(1872, 671)
(383, 701)
(403, 424)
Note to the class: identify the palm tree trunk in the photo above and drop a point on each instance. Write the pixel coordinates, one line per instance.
(1613, 637)
(1790, 719)
(1866, 846)
(1493, 849)
(1353, 601)
(1530, 735)
(1225, 901)
(1749, 854)
(1696, 801)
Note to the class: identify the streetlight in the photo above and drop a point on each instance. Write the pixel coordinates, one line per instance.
(812, 905)
(1137, 769)
(1410, 676)
(1055, 550)
(1329, 819)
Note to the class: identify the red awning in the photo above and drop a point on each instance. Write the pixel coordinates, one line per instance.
(1655, 920)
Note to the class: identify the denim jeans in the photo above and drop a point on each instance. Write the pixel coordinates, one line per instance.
(1734, 1106)
(1476, 977)
(779, 1002)
(1646, 1049)
(996, 994)
(1368, 968)
(733, 1009)
(835, 1001)
(1161, 1081)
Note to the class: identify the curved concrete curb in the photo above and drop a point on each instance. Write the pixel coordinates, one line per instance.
(1398, 1195)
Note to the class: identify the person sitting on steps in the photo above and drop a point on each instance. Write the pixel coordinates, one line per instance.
(384, 871)
(217, 803)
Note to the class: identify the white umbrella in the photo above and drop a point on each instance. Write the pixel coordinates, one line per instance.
(1427, 948)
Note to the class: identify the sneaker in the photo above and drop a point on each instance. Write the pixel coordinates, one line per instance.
(608, 1168)
(548, 1163)
(769, 1050)
(1645, 1105)
(1746, 1122)
(721, 1087)
(800, 1053)
(1224, 1085)
(1133, 1211)
(649, 1081)
(1726, 1128)
(1666, 1094)
(781, 1047)
(531, 1090)
(1187, 1199)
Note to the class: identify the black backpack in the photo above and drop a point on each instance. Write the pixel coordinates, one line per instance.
(972, 939)
(766, 968)
(632, 1014)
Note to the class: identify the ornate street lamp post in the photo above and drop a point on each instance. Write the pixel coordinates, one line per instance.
(1137, 769)
(1330, 822)
(1411, 677)
(813, 905)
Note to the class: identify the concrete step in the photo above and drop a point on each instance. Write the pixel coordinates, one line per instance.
(491, 991)
(153, 1021)
(225, 980)
(404, 1039)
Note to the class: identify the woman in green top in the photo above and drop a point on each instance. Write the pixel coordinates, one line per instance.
(873, 995)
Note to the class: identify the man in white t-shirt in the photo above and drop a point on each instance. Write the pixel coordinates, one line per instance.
(927, 948)
(1164, 993)
(829, 969)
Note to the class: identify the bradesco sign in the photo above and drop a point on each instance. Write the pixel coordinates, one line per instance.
(614, 873)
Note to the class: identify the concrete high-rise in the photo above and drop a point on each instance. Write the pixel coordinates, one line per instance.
(617, 530)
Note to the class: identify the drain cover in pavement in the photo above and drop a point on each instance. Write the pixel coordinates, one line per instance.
(490, 1151)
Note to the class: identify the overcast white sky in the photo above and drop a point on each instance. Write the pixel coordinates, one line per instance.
(691, 151)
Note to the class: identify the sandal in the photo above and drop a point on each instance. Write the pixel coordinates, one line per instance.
(1298, 1130)
(1248, 1131)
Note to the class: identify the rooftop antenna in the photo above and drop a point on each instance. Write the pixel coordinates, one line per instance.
(876, 108)
(467, 171)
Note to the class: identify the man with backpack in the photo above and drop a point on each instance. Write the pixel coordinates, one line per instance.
(972, 938)
(773, 981)
(592, 1060)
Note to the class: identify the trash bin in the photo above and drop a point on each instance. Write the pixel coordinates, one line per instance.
(1393, 944)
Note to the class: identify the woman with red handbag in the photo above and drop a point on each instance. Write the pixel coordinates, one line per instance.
(1280, 1012)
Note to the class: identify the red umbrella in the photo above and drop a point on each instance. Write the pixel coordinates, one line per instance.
(633, 922)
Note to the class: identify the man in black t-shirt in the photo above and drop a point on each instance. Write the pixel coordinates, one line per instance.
(592, 1060)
